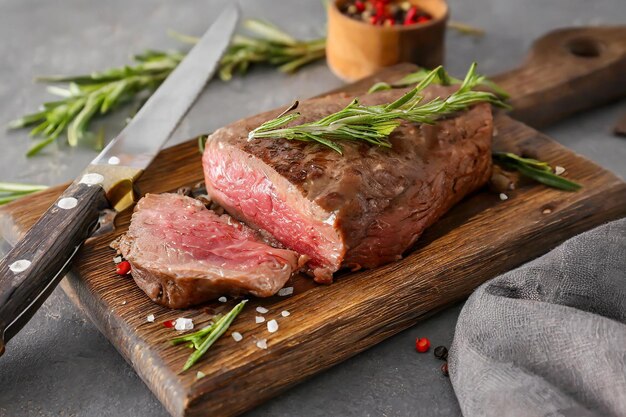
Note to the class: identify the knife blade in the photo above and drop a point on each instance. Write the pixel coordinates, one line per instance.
(31, 270)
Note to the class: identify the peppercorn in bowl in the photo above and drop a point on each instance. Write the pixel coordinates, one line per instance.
(367, 35)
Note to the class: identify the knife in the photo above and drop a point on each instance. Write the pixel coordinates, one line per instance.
(31, 270)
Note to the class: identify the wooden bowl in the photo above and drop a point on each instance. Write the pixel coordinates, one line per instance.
(357, 49)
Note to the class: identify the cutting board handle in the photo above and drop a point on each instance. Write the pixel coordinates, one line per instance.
(567, 71)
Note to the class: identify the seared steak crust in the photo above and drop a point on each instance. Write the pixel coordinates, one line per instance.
(378, 200)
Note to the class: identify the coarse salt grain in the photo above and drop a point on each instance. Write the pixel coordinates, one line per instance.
(547, 211)
(124, 302)
(283, 292)
(150, 318)
(183, 324)
(222, 299)
(272, 326)
(285, 313)
(261, 344)
(262, 310)
(117, 259)
(20, 266)
(503, 196)
(259, 319)
(237, 336)
(200, 375)
(559, 170)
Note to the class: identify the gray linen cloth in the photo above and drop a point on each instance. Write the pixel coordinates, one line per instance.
(549, 338)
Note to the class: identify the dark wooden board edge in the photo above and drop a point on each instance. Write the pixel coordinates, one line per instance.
(136, 351)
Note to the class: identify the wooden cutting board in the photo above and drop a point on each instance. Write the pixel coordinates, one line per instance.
(477, 240)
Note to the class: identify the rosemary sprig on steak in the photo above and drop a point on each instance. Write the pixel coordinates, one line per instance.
(442, 78)
(534, 169)
(374, 124)
(100, 93)
(203, 339)
(10, 191)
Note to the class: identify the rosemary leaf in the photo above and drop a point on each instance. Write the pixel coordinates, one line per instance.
(536, 170)
(516, 159)
(13, 187)
(269, 32)
(295, 64)
(84, 97)
(7, 198)
(548, 178)
(76, 129)
(27, 120)
(39, 145)
(10, 191)
(441, 78)
(181, 37)
(374, 124)
(379, 86)
(58, 91)
(220, 328)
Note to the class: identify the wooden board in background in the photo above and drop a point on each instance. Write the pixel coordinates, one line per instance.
(478, 239)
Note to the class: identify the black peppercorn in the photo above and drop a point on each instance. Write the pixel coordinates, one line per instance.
(441, 352)
(444, 369)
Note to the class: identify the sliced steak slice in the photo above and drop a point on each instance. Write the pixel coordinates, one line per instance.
(360, 209)
(183, 254)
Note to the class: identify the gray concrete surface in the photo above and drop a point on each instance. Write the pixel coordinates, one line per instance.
(60, 364)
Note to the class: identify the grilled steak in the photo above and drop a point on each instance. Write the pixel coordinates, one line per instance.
(357, 210)
(183, 254)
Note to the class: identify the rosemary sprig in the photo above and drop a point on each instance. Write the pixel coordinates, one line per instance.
(100, 93)
(96, 93)
(534, 169)
(196, 338)
(10, 191)
(374, 124)
(442, 78)
(202, 340)
(270, 46)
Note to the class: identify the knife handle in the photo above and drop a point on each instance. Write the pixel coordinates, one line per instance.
(31, 270)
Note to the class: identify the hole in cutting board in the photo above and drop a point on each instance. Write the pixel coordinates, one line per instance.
(584, 47)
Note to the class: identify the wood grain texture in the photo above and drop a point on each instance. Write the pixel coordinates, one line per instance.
(478, 239)
(567, 71)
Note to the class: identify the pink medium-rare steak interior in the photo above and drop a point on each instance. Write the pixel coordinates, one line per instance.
(360, 209)
(182, 253)
(268, 201)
